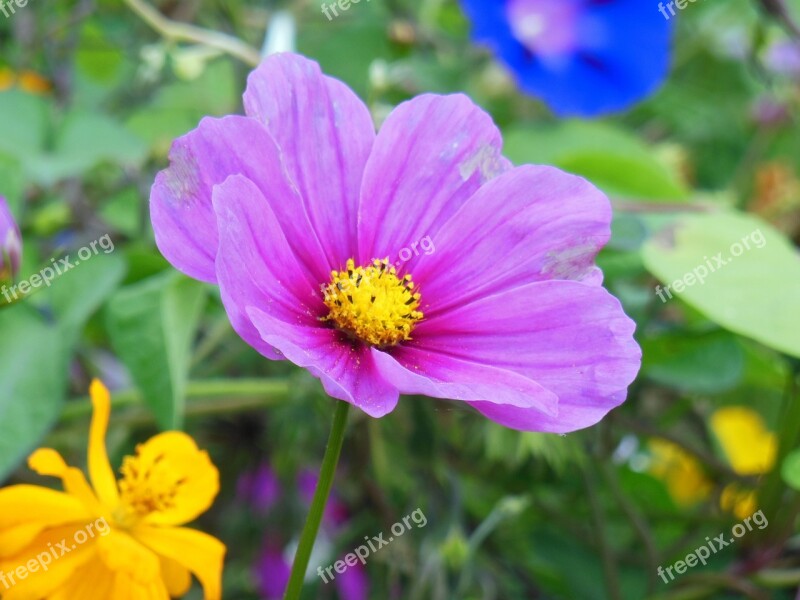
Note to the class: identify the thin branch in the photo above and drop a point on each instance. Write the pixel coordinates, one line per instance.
(176, 31)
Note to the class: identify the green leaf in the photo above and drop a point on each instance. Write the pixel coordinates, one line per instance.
(24, 126)
(611, 158)
(704, 364)
(755, 294)
(78, 293)
(32, 381)
(152, 325)
(89, 138)
(790, 469)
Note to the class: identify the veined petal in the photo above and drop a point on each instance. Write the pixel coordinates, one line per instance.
(27, 510)
(431, 154)
(529, 224)
(92, 581)
(49, 463)
(123, 554)
(325, 133)
(347, 370)
(572, 338)
(57, 557)
(177, 578)
(100, 472)
(201, 554)
(418, 371)
(256, 266)
(181, 207)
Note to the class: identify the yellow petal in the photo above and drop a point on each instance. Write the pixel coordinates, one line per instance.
(93, 581)
(177, 578)
(27, 510)
(100, 472)
(198, 552)
(49, 463)
(745, 440)
(44, 565)
(739, 502)
(174, 461)
(682, 474)
(121, 553)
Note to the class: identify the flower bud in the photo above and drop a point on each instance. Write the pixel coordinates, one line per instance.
(10, 243)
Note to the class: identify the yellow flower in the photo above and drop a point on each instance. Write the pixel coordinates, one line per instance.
(745, 441)
(112, 540)
(682, 474)
(750, 448)
(28, 81)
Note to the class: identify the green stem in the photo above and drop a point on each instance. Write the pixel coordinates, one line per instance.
(314, 518)
(210, 396)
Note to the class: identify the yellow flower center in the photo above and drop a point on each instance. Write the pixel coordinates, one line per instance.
(148, 485)
(372, 303)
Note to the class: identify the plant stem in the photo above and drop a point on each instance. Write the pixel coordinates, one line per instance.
(173, 30)
(249, 393)
(314, 518)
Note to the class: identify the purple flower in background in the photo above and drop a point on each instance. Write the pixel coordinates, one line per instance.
(307, 219)
(783, 58)
(274, 564)
(582, 57)
(260, 489)
(10, 243)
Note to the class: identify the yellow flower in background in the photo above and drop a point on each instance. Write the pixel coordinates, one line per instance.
(747, 443)
(112, 540)
(28, 81)
(683, 475)
(749, 447)
(751, 450)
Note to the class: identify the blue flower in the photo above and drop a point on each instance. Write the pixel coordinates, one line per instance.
(582, 57)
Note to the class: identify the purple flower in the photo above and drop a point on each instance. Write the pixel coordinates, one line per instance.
(299, 212)
(783, 58)
(10, 243)
(272, 573)
(274, 567)
(582, 57)
(259, 488)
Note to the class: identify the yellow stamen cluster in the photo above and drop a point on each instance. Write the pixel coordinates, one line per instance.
(148, 485)
(372, 304)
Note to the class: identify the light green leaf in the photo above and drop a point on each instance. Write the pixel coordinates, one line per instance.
(611, 158)
(704, 364)
(79, 292)
(152, 325)
(32, 381)
(755, 294)
(790, 469)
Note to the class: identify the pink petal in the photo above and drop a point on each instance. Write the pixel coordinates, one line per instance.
(325, 133)
(430, 156)
(529, 224)
(180, 201)
(421, 371)
(255, 264)
(572, 338)
(347, 370)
